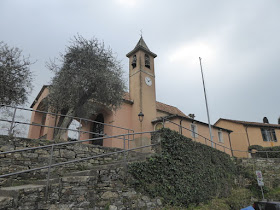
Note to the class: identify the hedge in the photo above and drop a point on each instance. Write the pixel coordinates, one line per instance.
(185, 172)
(265, 154)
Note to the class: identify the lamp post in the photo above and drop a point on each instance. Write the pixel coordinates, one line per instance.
(141, 117)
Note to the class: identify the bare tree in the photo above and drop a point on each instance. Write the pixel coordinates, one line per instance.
(88, 77)
(15, 75)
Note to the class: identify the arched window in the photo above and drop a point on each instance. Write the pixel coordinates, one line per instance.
(134, 61)
(158, 126)
(147, 61)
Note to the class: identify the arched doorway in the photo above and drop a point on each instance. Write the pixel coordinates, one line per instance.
(98, 130)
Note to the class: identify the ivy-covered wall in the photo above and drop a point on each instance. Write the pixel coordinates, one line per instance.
(184, 172)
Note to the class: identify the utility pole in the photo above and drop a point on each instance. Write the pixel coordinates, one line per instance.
(210, 130)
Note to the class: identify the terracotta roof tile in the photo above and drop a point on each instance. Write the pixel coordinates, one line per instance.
(169, 109)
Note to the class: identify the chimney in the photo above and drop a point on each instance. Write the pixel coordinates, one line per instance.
(265, 120)
(191, 116)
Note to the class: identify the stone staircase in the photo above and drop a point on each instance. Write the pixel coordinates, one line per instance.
(100, 187)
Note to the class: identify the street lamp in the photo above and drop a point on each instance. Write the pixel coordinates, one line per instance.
(141, 116)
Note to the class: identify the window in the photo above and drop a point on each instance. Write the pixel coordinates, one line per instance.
(158, 126)
(147, 61)
(220, 136)
(194, 130)
(268, 134)
(134, 60)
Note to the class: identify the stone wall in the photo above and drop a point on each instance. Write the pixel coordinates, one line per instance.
(102, 188)
(99, 183)
(14, 162)
(270, 168)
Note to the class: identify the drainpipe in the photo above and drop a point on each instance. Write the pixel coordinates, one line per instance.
(230, 144)
(181, 126)
(247, 135)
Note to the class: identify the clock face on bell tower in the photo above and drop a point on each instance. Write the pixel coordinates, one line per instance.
(142, 81)
(148, 81)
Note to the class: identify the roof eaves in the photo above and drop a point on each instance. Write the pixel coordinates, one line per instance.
(252, 124)
(188, 119)
(38, 96)
(141, 48)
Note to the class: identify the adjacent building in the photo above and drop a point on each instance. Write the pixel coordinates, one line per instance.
(250, 133)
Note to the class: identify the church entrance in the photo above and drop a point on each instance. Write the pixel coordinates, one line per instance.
(98, 130)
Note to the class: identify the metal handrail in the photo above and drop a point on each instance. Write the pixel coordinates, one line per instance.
(264, 151)
(55, 127)
(61, 115)
(12, 122)
(180, 126)
(76, 160)
(74, 142)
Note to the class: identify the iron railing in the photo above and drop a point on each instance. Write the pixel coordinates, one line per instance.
(52, 146)
(205, 138)
(252, 153)
(12, 122)
(130, 132)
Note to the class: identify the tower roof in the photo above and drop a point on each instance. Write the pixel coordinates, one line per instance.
(141, 45)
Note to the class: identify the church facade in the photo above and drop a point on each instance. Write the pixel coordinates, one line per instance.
(139, 102)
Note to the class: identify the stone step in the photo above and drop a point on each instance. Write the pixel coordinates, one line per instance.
(14, 191)
(111, 165)
(44, 181)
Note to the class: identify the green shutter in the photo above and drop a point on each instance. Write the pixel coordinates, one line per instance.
(264, 134)
(273, 135)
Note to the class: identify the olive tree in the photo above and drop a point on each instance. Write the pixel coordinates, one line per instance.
(88, 77)
(15, 75)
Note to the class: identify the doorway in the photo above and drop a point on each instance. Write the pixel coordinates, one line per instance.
(98, 130)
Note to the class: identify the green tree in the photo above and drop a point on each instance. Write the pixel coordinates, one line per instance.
(15, 75)
(88, 77)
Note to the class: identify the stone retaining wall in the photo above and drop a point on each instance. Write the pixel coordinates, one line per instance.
(103, 188)
(270, 168)
(20, 161)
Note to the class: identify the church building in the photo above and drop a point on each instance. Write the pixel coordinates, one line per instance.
(140, 111)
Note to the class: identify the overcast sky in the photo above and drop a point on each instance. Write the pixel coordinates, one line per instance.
(237, 40)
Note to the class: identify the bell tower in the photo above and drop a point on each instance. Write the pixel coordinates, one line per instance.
(142, 86)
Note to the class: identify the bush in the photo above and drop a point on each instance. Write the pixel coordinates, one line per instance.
(273, 194)
(184, 172)
(262, 154)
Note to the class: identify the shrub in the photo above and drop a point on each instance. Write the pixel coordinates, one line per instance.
(260, 151)
(184, 172)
